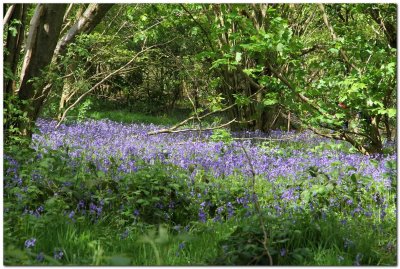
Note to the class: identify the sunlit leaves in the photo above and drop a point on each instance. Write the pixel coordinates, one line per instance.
(270, 98)
(241, 100)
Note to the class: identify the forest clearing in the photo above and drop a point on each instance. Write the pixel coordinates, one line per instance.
(200, 134)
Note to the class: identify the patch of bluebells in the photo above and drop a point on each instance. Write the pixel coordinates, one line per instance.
(37, 212)
(358, 259)
(98, 141)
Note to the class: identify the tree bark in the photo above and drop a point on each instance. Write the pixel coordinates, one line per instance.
(85, 24)
(388, 28)
(42, 39)
(13, 46)
(10, 11)
(43, 35)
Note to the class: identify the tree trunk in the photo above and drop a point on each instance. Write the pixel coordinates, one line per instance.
(387, 127)
(13, 46)
(389, 29)
(43, 35)
(85, 24)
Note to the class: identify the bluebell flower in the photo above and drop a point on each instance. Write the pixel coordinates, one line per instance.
(358, 259)
(40, 257)
(125, 234)
(58, 254)
(202, 215)
(30, 243)
(340, 259)
(348, 243)
(71, 214)
(136, 213)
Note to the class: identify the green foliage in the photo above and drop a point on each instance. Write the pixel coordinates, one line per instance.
(160, 187)
(221, 135)
(127, 116)
(14, 118)
(83, 110)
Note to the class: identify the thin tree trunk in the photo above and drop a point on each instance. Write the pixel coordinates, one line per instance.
(9, 13)
(387, 127)
(85, 24)
(13, 46)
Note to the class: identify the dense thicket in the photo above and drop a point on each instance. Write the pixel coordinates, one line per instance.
(329, 68)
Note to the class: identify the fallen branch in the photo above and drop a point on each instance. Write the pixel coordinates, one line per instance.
(170, 131)
(176, 126)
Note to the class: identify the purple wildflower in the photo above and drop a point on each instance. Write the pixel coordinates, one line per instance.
(289, 195)
(40, 257)
(30, 243)
(230, 209)
(125, 234)
(348, 243)
(202, 215)
(58, 254)
(71, 215)
(358, 259)
(136, 213)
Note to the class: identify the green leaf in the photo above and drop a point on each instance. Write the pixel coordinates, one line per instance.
(269, 102)
(238, 57)
(279, 47)
(333, 50)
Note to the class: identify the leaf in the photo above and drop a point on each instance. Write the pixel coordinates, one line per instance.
(279, 47)
(333, 50)
(238, 57)
(269, 102)
(297, 257)
(141, 201)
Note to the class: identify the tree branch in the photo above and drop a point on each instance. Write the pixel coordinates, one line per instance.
(170, 131)
(176, 126)
(9, 13)
(102, 81)
(302, 97)
(201, 27)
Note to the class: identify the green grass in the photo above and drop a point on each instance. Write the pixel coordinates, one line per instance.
(100, 243)
(85, 243)
(126, 116)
